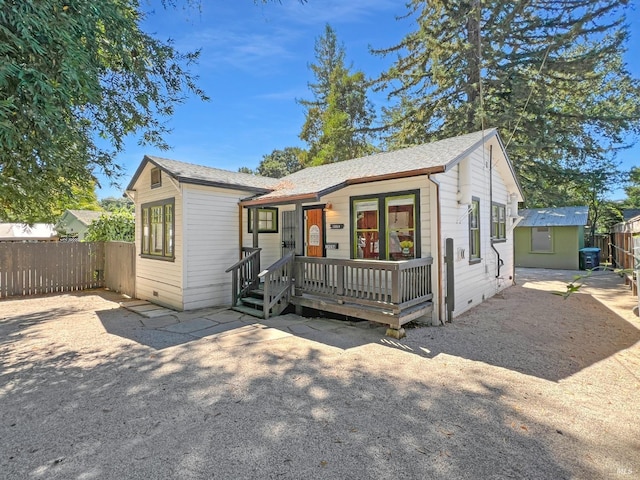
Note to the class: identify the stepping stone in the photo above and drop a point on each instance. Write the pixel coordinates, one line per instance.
(189, 326)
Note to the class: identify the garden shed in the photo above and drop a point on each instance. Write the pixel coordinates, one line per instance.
(550, 237)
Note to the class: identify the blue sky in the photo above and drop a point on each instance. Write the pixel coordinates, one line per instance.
(254, 65)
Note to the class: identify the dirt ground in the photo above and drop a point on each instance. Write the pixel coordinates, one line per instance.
(525, 385)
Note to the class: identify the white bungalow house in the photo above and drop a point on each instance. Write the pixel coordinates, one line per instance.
(426, 230)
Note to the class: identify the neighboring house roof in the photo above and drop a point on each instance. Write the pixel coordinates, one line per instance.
(20, 231)
(629, 213)
(201, 175)
(554, 217)
(85, 216)
(431, 158)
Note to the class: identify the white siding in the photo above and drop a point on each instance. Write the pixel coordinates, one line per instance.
(211, 245)
(159, 281)
(476, 282)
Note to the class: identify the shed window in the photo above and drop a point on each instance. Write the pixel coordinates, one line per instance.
(158, 230)
(474, 231)
(541, 240)
(498, 222)
(267, 220)
(156, 177)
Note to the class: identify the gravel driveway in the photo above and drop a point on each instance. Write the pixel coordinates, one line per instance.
(526, 385)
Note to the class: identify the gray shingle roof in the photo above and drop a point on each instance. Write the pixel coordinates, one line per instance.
(429, 158)
(201, 175)
(554, 217)
(86, 216)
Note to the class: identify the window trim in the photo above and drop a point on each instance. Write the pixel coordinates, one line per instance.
(381, 198)
(500, 224)
(275, 226)
(475, 232)
(145, 221)
(158, 183)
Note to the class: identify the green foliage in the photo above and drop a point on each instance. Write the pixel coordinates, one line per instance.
(112, 204)
(339, 116)
(72, 72)
(549, 76)
(281, 163)
(633, 189)
(118, 225)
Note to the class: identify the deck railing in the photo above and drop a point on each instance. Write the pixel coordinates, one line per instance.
(277, 282)
(245, 273)
(392, 285)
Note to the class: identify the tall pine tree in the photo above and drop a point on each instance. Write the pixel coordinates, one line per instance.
(548, 74)
(339, 115)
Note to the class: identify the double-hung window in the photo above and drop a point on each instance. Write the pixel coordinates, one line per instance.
(474, 231)
(158, 230)
(498, 222)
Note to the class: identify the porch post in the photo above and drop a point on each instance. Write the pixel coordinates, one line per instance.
(254, 226)
(299, 235)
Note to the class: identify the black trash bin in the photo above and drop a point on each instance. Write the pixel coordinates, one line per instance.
(588, 258)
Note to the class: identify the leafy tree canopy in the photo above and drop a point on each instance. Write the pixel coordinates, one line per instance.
(281, 163)
(112, 204)
(632, 189)
(118, 225)
(71, 73)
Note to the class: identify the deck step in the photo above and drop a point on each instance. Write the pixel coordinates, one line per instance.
(253, 302)
(256, 293)
(248, 311)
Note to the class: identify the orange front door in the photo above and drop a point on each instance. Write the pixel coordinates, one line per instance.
(315, 233)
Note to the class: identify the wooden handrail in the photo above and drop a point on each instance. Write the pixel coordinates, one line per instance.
(252, 253)
(278, 283)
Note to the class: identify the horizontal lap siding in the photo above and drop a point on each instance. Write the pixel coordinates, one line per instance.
(159, 281)
(475, 282)
(211, 244)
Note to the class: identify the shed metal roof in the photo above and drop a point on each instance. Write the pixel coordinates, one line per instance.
(554, 217)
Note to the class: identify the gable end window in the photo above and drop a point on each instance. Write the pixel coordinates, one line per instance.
(474, 231)
(498, 223)
(156, 177)
(267, 220)
(158, 230)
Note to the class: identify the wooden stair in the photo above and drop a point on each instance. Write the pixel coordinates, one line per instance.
(252, 303)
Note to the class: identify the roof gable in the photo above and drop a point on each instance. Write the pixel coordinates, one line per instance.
(431, 158)
(554, 217)
(201, 175)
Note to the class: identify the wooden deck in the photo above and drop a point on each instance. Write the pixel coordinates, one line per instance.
(391, 293)
(388, 292)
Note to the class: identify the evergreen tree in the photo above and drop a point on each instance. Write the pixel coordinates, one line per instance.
(339, 115)
(549, 75)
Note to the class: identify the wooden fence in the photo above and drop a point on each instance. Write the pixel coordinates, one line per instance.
(48, 267)
(120, 267)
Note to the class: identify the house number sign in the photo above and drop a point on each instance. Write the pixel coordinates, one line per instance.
(314, 236)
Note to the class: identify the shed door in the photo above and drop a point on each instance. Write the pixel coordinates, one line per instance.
(315, 232)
